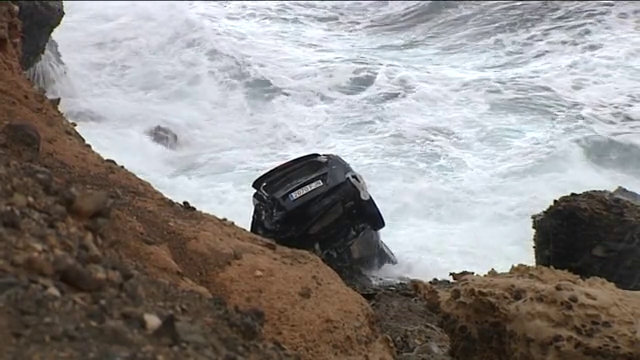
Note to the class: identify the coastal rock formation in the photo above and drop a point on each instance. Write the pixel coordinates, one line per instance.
(80, 228)
(536, 313)
(595, 233)
(405, 317)
(39, 19)
(163, 136)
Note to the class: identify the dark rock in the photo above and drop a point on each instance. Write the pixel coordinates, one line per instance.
(163, 136)
(405, 317)
(187, 206)
(39, 19)
(8, 283)
(47, 71)
(10, 219)
(23, 138)
(81, 278)
(168, 332)
(595, 233)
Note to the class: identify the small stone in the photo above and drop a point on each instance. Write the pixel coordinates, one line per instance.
(187, 206)
(271, 245)
(167, 331)
(91, 204)
(10, 219)
(190, 333)
(458, 276)
(8, 283)
(39, 265)
(151, 322)
(35, 245)
(18, 200)
(93, 253)
(42, 175)
(81, 278)
(118, 333)
(114, 277)
(258, 273)
(59, 212)
(53, 292)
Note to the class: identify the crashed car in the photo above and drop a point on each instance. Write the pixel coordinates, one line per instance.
(317, 202)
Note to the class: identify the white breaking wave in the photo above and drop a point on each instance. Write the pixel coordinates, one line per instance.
(464, 119)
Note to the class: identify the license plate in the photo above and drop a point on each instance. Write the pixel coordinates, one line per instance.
(305, 190)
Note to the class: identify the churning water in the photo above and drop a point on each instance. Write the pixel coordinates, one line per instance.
(465, 118)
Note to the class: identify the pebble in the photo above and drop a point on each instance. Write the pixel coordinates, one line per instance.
(190, 333)
(53, 291)
(81, 278)
(42, 175)
(10, 219)
(258, 273)
(90, 204)
(94, 254)
(151, 322)
(39, 264)
(18, 200)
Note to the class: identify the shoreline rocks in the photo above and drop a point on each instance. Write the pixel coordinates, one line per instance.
(592, 234)
(164, 136)
(39, 19)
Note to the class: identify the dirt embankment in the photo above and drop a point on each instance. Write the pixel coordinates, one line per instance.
(96, 264)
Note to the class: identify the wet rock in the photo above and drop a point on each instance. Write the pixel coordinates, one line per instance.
(595, 233)
(39, 19)
(163, 136)
(404, 316)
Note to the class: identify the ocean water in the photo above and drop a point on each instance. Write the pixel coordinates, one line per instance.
(465, 118)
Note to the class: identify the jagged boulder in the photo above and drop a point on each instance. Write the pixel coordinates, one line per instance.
(534, 313)
(163, 136)
(595, 233)
(39, 19)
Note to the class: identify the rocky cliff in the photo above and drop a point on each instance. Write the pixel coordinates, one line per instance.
(121, 222)
(95, 263)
